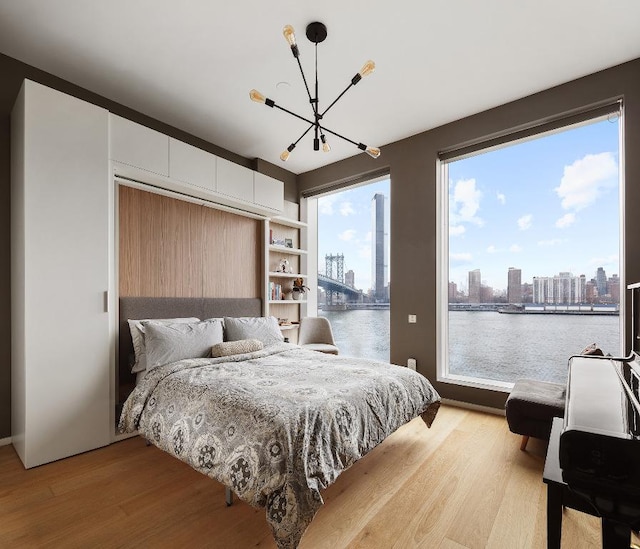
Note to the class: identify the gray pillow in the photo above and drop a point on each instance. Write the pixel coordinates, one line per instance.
(137, 336)
(171, 342)
(264, 329)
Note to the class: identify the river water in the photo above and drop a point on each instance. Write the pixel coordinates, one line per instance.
(489, 345)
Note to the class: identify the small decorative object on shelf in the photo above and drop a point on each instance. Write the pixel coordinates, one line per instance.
(299, 288)
(288, 243)
(284, 266)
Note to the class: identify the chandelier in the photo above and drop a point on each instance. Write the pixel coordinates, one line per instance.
(316, 33)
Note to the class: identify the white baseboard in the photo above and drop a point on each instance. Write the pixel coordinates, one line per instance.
(476, 407)
(5, 441)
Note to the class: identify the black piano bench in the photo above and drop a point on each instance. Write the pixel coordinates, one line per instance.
(531, 407)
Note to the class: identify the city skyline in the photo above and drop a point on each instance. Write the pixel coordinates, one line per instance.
(561, 287)
(545, 205)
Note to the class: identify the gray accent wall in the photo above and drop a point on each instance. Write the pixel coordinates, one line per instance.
(412, 165)
(12, 73)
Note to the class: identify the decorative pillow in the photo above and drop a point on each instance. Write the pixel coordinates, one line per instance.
(228, 348)
(262, 328)
(137, 336)
(167, 343)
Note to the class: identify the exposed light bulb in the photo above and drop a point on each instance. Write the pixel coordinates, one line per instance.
(325, 146)
(289, 35)
(373, 152)
(256, 96)
(367, 68)
(285, 154)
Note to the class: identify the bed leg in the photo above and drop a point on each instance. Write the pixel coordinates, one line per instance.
(147, 442)
(228, 496)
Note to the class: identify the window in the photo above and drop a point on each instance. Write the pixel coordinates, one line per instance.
(353, 267)
(530, 254)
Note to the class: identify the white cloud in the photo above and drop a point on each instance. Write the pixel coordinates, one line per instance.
(460, 258)
(325, 204)
(347, 235)
(524, 222)
(566, 221)
(515, 248)
(457, 230)
(501, 198)
(346, 209)
(465, 203)
(612, 261)
(586, 179)
(492, 249)
(551, 242)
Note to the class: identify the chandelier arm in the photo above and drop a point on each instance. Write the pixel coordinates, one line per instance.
(304, 78)
(294, 114)
(337, 98)
(305, 133)
(324, 128)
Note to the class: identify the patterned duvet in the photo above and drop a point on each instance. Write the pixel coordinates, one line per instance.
(277, 425)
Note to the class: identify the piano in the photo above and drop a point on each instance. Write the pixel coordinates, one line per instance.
(599, 448)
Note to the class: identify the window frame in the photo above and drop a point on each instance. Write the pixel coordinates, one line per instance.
(505, 139)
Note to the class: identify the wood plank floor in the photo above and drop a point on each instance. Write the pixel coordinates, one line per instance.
(464, 483)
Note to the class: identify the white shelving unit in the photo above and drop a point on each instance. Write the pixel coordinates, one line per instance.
(282, 228)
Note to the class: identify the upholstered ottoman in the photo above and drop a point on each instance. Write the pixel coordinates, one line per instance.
(531, 407)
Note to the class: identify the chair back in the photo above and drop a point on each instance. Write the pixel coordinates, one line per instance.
(315, 329)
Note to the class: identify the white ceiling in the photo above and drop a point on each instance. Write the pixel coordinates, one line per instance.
(191, 64)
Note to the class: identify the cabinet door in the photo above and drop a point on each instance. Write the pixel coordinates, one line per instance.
(268, 192)
(65, 354)
(234, 180)
(139, 146)
(192, 165)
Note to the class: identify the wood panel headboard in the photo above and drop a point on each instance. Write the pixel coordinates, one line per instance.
(171, 307)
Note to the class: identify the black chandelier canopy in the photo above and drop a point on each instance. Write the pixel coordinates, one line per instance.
(316, 33)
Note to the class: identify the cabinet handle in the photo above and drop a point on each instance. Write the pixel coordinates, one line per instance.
(106, 301)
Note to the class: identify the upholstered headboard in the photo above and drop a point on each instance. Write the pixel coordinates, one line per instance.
(172, 307)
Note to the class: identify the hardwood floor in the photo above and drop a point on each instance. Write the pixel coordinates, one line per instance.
(464, 483)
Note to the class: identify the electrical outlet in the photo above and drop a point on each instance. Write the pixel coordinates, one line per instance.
(413, 319)
(411, 363)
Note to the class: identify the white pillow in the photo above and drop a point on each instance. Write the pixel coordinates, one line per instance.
(137, 336)
(167, 343)
(262, 328)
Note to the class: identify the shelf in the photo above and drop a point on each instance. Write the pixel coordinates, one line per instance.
(286, 301)
(285, 250)
(288, 222)
(277, 274)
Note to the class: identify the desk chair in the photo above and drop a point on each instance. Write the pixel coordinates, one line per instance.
(315, 334)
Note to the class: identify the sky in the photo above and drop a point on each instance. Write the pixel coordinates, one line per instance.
(344, 227)
(544, 206)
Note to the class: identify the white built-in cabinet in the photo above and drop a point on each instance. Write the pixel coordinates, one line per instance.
(145, 155)
(65, 156)
(61, 231)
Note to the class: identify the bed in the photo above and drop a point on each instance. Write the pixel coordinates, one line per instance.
(277, 424)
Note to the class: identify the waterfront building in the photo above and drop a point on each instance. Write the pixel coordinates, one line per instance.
(561, 289)
(601, 281)
(453, 292)
(614, 288)
(379, 246)
(475, 282)
(350, 278)
(514, 285)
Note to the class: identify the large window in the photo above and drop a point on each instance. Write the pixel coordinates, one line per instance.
(532, 254)
(353, 268)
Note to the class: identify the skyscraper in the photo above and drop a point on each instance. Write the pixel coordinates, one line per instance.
(475, 282)
(514, 285)
(349, 278)
(601, 281)
(379, 247)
